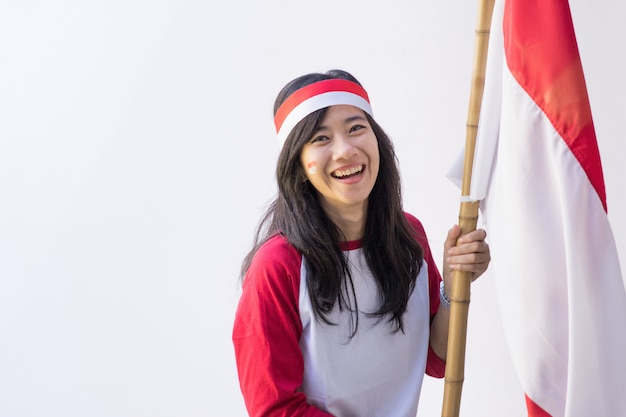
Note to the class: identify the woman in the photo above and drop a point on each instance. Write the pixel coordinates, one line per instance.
(342, 310)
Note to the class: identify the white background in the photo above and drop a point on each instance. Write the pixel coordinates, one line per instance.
(137, 153)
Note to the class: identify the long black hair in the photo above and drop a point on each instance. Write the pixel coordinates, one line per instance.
(389, 242)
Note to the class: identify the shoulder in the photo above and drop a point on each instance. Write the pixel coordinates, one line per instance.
(418, 228)
(276, 263)
(421, 237)
(275, 251)
(413, 221)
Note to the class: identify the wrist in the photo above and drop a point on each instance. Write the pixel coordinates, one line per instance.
(443, 298)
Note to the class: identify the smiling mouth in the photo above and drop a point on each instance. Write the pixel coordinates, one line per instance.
(348, 173)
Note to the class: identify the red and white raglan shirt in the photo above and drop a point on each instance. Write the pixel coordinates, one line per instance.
(291, 364)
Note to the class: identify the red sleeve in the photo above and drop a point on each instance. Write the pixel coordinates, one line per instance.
(266, 333)
(435, 366)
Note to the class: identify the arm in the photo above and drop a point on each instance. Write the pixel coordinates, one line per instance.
(435, 365)
(470, 254)
(266, 333)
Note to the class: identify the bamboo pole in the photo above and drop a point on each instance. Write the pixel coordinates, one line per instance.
(468, 216)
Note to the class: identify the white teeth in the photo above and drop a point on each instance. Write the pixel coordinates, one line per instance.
(347, 172)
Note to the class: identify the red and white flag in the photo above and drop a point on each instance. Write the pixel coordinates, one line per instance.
(538, 173)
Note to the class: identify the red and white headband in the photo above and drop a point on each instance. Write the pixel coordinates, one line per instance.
(317, 96)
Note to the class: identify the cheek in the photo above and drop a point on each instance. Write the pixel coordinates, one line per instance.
(311, 167)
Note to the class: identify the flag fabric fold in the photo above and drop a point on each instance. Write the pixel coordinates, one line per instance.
(538, 172)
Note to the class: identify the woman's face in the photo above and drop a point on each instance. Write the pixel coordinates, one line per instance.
(341, 160)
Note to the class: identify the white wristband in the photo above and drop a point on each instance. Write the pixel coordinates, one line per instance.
(443, 297)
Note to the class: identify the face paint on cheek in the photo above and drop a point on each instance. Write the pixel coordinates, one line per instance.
(312, 167)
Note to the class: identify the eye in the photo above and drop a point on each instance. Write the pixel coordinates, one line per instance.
(317, 139)
(356, 128)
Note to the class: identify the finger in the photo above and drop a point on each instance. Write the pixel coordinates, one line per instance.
(473, 236)
(468, 266)
(468, 258)
(476, 247)
(451, 239)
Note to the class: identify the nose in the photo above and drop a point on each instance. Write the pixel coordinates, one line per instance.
(343, 148)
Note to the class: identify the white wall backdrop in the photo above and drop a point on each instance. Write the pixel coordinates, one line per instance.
(137, 154)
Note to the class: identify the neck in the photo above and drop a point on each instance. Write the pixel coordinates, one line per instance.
(350, 222)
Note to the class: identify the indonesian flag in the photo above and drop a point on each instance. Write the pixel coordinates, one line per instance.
(538, 173)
